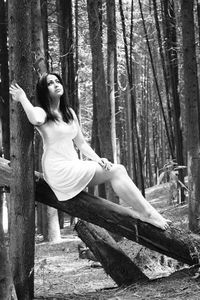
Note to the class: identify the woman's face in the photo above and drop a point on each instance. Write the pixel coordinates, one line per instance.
(54, 86)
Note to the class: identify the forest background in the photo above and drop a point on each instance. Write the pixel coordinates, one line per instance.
(131, 70)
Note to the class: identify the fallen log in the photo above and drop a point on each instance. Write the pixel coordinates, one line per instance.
(182, 246)
(114, 261)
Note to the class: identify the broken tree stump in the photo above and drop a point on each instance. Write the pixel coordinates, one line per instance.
(182, 246)
(114, 261)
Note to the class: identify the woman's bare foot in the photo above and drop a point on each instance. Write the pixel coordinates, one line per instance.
(158, 221)
(152, 217)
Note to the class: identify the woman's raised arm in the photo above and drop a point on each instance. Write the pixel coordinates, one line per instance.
(36, 115)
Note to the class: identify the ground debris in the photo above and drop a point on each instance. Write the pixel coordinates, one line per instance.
(61, 275)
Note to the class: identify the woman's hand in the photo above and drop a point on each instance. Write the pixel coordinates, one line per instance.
(105, 164)
(17, 92)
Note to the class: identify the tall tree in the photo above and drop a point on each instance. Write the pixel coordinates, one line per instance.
(163, 61)
(131, 107)
(44, 14)
(22, 206)
(103, 106)
(171, 46)
(37, 38)
(4, 84)
(156, 79)
(52, 232)
(111, 49)
(102, 103)
(191, 95)
(76, 51)
(64, 11)
(6, 281)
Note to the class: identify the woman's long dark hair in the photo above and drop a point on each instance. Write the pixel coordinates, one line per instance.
(44, 100)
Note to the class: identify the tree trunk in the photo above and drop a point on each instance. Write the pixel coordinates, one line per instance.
(111, 38)
(137, 155)
(172, 63)
(95, 144)
(44, 13)
(7, 289)
(53, 229)
(131, 134)
(4, 84)
(156, 80)
(22, 204)
(111, 49)
(192, 113)
(37, 38)
(95, 140)
(103, 107)
(76, 83)
(102, 103)
(118, 219)
(163, 62)
(65, 30)
(114, 261)
(53, 225)
(42, 220)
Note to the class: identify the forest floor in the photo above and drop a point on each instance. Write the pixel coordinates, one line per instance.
(61, 274)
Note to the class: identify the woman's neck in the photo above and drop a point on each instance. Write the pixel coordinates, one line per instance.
(55, 105)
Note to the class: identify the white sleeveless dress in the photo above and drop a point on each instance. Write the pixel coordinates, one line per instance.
(64, 172)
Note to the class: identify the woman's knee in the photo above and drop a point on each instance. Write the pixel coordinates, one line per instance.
(119, 170)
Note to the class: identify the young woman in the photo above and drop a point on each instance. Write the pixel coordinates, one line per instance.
(65, 173)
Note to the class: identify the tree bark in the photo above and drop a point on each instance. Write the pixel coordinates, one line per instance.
(134, 135)
(103, 107)
(111, 53)
(7, 289)
(163, 61)
(102, 103)
(95, 139)
(53, 230)
(114, 261)
(22, 205)
(156, 80)
(4, 84)
(44, 13)
(115, 218)
(65, 30)
(191, 95)
(171, 46)
(37, 38)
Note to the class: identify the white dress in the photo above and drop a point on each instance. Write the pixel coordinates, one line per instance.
(64, 172)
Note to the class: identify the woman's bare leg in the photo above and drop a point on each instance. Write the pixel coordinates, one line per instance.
(127, 191)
